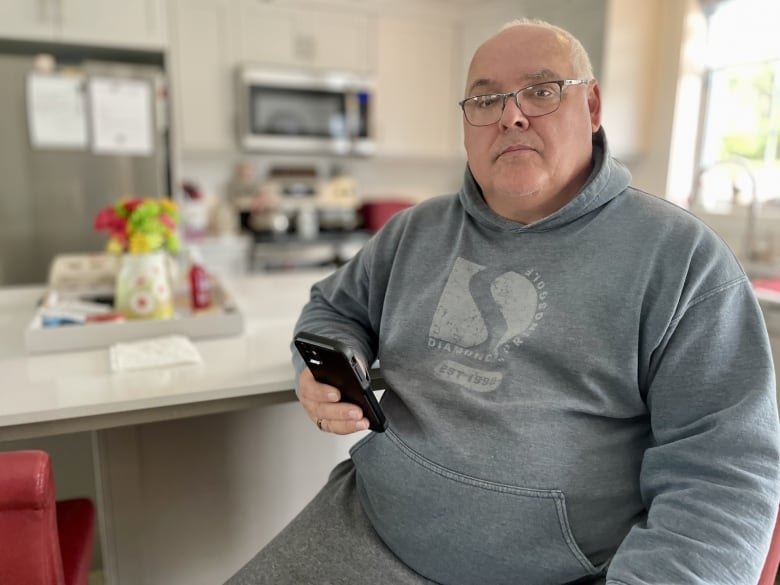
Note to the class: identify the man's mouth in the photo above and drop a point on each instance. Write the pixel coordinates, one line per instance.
(514, 148)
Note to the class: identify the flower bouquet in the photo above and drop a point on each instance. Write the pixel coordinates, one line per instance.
(140, 226)
(142, 230)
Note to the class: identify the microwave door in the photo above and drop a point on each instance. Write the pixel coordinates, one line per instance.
(297, 120)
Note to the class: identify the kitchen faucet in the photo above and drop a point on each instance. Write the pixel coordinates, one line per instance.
(752, 251)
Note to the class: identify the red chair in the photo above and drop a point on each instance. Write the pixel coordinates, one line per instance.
(42, 542)
(769, 574)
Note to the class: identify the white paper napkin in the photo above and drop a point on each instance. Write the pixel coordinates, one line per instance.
(153, 353)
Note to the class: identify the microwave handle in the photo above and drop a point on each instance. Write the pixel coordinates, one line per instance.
(352, 109)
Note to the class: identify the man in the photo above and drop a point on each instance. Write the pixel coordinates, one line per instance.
(579, 381)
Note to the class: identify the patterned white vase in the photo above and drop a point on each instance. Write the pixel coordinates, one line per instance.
(143, 287)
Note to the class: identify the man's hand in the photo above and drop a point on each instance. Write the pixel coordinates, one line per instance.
(321, 402)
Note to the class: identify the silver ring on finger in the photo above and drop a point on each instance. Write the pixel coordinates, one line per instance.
(319, 424)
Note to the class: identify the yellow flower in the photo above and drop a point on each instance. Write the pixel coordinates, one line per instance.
(115, 246)
(144, 243)
(168, 205)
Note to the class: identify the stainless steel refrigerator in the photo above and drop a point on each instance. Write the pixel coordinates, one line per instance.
(50, 192)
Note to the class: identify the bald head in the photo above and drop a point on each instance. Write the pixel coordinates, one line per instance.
(556, 39)
(529, 164)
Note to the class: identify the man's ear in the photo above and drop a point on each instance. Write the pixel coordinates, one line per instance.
(594, 106)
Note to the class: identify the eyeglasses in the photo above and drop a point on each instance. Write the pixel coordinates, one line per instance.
(535, 100)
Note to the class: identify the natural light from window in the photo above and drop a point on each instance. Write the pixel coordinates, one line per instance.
(739, 149)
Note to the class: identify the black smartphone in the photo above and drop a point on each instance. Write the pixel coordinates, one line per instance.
(334, 363)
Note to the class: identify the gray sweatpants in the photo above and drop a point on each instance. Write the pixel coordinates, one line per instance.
(332, 543)
(329, 543)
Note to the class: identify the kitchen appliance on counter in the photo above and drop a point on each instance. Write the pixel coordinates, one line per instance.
(304, 112)
(296, 200)
(322, 220)
(74, 139)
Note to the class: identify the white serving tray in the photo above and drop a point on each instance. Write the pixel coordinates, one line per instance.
(223, 319)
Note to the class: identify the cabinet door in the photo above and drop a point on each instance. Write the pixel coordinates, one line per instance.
(338, 41)
(294, 37)
(120, 23)
(266, 34)
(28, 19)
(416, 99)
(202, 68)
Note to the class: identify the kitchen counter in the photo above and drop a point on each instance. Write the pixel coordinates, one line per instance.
(196, 466)
(71, 391)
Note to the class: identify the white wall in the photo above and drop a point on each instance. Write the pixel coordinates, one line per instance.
(650, 165)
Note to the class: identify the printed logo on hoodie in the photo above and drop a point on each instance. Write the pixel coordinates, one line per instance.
(482, 315)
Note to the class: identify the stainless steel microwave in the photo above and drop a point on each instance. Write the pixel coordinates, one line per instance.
(305, 112)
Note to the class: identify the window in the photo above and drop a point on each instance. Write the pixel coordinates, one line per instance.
(739, 149)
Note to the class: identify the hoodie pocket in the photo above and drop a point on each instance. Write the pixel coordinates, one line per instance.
(460, 530)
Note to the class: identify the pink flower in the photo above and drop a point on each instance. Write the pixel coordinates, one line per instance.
(109, 221)
(131, 204)
(167, 221)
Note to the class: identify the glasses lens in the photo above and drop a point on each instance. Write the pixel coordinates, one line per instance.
(540, 99)
(536, 100)
(484, 110)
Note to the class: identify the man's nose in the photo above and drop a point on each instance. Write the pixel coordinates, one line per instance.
(513, 115)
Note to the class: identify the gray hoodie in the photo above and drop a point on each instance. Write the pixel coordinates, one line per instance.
(589, 393)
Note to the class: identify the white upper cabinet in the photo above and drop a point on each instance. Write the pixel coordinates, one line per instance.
(291, 36)
(28, 19)
(113, 23)
(125, 23)
(203, 63)
(417, 93)
(412, 56)
(210, 39)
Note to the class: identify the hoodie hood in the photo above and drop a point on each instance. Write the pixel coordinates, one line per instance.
(608, 179)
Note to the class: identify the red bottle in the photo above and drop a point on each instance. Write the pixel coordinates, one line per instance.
(200, 293)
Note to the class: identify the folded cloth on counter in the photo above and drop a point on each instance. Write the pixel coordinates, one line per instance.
(151, 353)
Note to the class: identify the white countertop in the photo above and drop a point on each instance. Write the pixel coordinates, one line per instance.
(71, 391)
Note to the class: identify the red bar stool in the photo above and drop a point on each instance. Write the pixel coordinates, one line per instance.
(42, 541)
